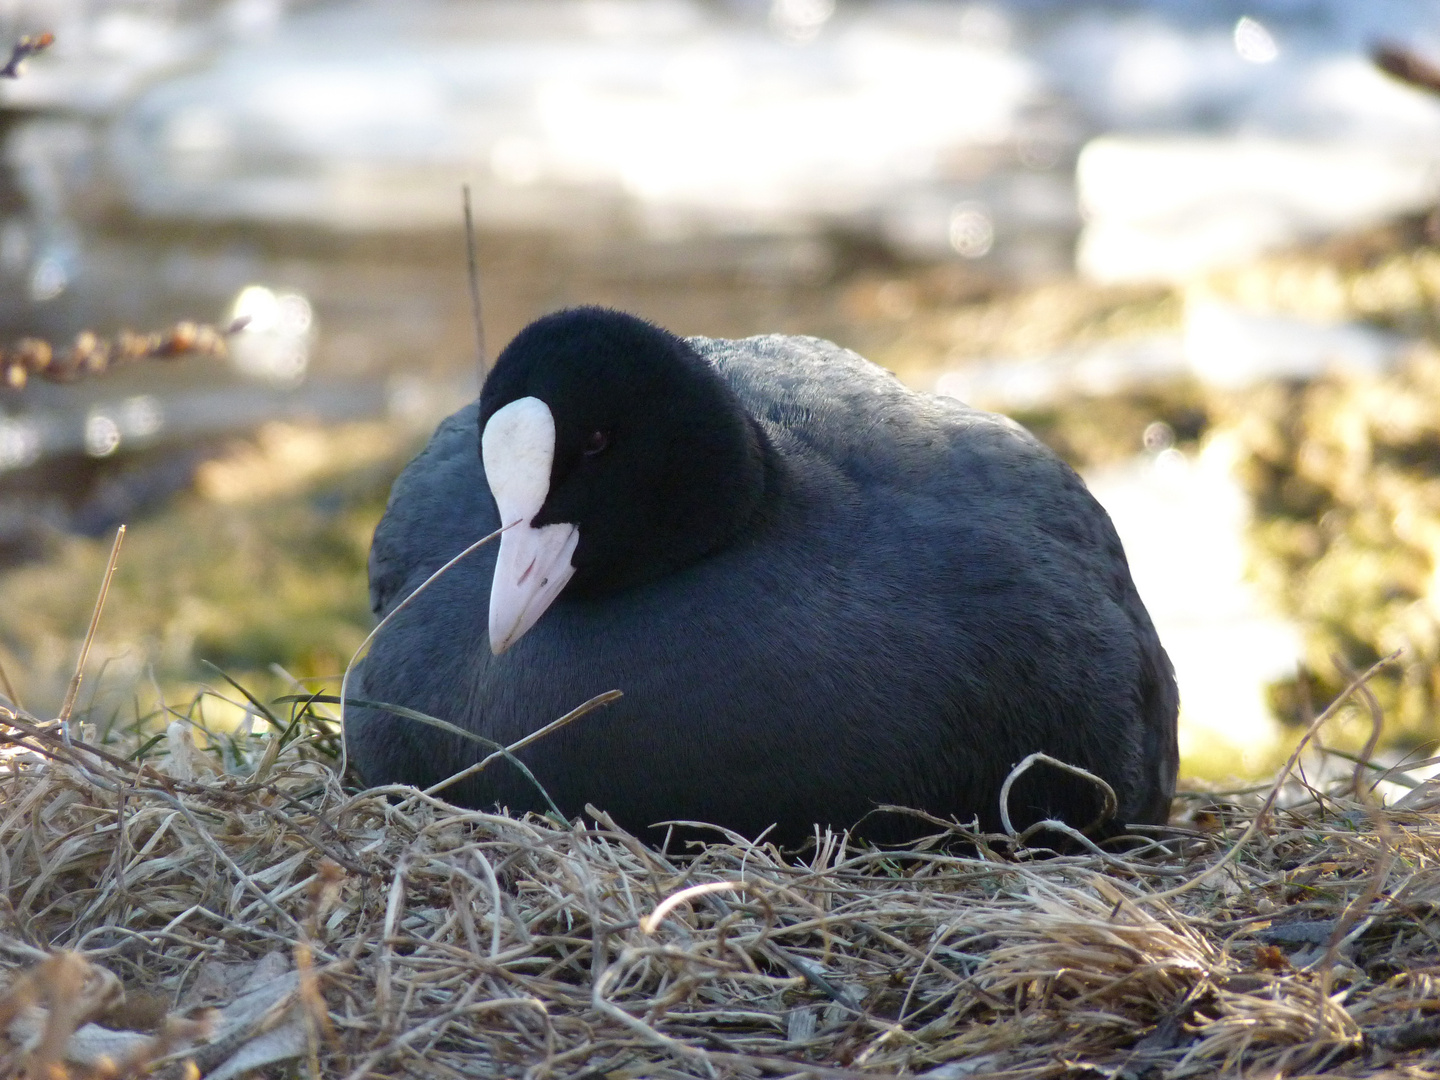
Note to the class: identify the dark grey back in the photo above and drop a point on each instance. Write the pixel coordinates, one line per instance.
(928, 596)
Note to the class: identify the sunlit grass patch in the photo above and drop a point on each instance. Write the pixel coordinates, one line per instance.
(243, 583)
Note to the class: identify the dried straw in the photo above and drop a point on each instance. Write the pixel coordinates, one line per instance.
(387, 933)
(226, 909)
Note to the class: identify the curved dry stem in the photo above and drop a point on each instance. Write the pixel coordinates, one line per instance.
(1107, 809)
(359, 652)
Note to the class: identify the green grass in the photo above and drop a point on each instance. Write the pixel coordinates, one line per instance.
(243, 586)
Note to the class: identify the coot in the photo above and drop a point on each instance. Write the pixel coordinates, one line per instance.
(819, 591)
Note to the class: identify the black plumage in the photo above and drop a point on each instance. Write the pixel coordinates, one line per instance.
(819, 592)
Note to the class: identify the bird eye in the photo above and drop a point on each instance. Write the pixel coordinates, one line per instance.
(596, 442)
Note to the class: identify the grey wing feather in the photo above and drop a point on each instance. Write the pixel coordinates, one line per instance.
(438, 506)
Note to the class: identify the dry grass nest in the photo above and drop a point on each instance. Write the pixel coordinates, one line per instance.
(175, 909)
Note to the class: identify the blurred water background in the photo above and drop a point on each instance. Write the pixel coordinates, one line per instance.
(1047, 207)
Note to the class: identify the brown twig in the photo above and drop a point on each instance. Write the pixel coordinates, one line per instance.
(74, 690)
(539, 733)
(93, 355)
(474, 273)
(1407, 66)
(25, 48)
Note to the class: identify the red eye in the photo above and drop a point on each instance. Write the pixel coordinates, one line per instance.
(597, 441)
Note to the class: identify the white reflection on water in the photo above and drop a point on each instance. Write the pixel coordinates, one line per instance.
(1254, 42)
(368, 115)
(275, 343)
(102, 434)
(108, 426)
(20, 444)
(972, 232)
(680, 118)
(142, 416)
(800, 20)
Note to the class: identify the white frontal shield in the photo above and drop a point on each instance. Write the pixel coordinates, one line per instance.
(518, 448)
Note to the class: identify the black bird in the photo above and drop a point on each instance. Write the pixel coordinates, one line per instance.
(819, 591)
